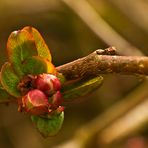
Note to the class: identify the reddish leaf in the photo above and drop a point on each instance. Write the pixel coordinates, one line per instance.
(20, 46)
(4, 96)
(42, 48)
(9, 80)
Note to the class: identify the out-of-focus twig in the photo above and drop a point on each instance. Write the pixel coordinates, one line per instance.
(126, 125)
(137, 9)
(85, 134)
(102, 29)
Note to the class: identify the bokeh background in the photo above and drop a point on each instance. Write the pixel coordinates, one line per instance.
(115, 115)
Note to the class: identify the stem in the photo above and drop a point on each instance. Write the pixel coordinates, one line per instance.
(95, 64)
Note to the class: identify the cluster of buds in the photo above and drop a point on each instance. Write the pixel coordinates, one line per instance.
(44, 97)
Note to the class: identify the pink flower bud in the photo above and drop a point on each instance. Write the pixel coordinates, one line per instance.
(47, 83)
(56, 99)
(35, 102)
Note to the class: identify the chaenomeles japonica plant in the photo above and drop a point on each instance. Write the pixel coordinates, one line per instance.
(31, 80)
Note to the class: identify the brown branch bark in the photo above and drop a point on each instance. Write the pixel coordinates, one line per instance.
(104, 62)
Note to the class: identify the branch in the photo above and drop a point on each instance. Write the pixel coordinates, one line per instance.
(104, 62)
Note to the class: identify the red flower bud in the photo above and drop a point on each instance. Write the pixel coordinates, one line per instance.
(47, 83)
(35, 102)
(56, 99)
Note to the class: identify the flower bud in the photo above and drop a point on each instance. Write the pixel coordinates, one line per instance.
(56, 99)
(35, 102)
(47, 83)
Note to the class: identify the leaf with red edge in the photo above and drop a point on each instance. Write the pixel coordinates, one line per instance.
(9, 80)
(42, 48)
(37, 65)
(20, 46)
(4, 96)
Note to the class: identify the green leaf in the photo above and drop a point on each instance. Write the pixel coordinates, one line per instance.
(81, 88)
(49, 126)
(20, 46)
(4, 96)
(37, 65)
(9, 80)
(61, 78)
(42, 48)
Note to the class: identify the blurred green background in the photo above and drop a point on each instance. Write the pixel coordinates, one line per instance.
(114, 116)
